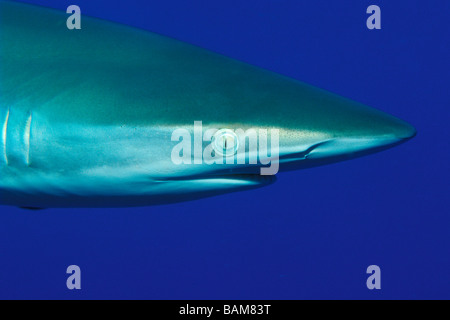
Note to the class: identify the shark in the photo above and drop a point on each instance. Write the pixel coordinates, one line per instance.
(87, 116)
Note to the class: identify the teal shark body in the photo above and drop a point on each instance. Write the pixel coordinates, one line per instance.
(86, 116)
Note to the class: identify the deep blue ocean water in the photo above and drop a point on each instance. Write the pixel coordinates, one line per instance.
(314, 232)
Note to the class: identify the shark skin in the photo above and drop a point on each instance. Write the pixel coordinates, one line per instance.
(86, 116)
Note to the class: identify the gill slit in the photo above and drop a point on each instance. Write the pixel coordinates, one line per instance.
(27, 138)
(4, 132)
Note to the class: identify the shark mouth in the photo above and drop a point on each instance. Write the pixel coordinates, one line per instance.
(231, 178)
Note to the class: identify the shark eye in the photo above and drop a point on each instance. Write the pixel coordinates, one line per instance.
(225, 142)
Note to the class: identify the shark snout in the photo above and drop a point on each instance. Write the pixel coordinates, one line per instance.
(404, 131)
(383, 132)
(386, 125)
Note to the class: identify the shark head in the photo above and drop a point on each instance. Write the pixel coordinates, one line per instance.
(294, 126)
(114, 116)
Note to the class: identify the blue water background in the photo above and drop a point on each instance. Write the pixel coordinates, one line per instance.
(314, 232)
